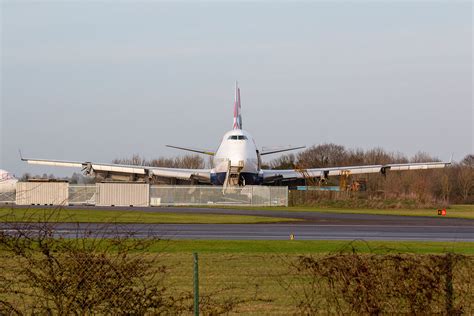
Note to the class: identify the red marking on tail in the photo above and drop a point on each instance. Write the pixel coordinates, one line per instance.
(237, 109)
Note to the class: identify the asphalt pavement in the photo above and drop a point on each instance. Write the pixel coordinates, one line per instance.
(314, 226)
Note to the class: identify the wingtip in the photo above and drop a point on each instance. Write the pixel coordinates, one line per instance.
(21, 156)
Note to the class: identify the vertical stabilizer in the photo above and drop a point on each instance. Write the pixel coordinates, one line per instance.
(237, 108)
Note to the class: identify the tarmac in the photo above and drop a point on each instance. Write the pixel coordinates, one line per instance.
(314, 226)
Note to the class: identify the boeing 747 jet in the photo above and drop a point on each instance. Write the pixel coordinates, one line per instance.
(237, 161)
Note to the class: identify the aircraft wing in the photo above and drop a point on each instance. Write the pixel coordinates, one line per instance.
(90, 168)
(203, 175)
(194, 150)
(322, 173)
(279, 150)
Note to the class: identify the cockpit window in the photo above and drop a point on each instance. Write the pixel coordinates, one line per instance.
(237, 137)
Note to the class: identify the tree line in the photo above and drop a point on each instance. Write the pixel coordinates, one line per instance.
(452, 184)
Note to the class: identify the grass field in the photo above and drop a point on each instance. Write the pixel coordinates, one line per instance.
(309, 246)
(101, 216)
(454, 211)
(256, 271)
(248, 275)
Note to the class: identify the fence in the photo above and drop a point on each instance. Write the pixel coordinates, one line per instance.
(7, 197)
(140, 194)
(211, 195)
(82, 194)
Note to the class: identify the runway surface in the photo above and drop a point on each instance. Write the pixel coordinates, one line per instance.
(314, 226)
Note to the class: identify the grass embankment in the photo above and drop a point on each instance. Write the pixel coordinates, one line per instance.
(117, 216)
(454, 211)
(309, 246)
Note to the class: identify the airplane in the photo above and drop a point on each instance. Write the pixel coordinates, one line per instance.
(7, 182)
(236, 162)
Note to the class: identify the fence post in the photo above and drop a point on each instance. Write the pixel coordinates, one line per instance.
(449, 283)
(251, 196)
(270, 196)
(196, 284)
(200, 195)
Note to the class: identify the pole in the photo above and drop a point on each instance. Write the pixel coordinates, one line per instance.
(449, 284)
(196, 284)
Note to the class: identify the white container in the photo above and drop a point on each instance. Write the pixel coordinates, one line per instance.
(123, 194)
(42, 193)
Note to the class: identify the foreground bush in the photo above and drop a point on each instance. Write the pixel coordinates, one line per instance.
(81, 276)
(383, 284)
(44, 274)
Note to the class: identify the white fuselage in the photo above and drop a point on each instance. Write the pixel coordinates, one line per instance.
(7, 182)
(237, 150)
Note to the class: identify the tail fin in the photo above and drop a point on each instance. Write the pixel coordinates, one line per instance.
(237, 108)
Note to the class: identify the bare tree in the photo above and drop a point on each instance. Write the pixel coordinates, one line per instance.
(187, 161)
(135, 160)
(283, 162)
(446, 186)
(325, 155)
(162, 162)
(376, 156)
(423, 157)
(465, 176)
(25, 177)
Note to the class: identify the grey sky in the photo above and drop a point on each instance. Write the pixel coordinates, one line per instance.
(99, 80)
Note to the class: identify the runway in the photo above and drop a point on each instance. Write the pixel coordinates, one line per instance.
(314, 226)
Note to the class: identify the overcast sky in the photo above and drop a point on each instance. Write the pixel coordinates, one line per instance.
(93, 81)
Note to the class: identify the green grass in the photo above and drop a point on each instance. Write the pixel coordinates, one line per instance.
(306, 246)
(117, 216)
(287, 247)
(454, 211)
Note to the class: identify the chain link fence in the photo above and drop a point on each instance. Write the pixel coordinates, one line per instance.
(7, 197)
(82, 194)
(211, 195)
(158, 195)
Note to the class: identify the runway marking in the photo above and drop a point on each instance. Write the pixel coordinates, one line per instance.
(343, 225)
